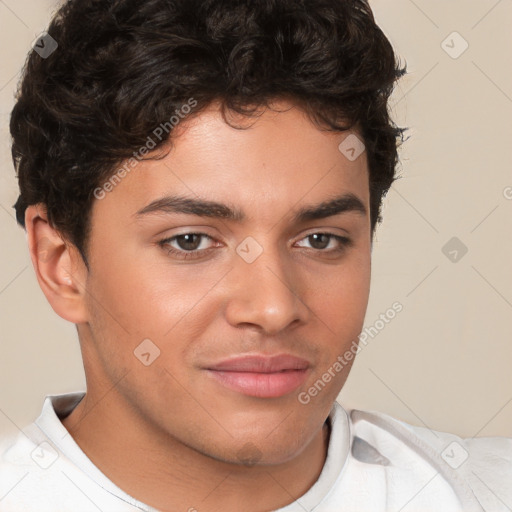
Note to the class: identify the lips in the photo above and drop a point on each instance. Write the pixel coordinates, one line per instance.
(260, 375)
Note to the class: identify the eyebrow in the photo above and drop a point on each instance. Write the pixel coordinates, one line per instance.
(213, 209)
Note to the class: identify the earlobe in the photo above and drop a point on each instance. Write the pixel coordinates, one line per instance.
(59, 269)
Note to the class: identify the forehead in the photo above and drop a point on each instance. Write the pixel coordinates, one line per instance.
(277, 160)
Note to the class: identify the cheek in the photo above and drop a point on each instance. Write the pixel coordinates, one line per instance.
(339, 295)
(146, 294)
(339, 299)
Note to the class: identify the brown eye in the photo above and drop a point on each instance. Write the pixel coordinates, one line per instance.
(187, 245)
(188, 242)
(322, 241)
(319, 240)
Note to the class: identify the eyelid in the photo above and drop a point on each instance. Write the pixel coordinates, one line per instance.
(198, 233)
(326, 231)
(343, 241)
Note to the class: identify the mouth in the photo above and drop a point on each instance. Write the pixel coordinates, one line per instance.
(261, 376)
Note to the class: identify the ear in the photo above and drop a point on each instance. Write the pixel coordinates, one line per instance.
(59, 267)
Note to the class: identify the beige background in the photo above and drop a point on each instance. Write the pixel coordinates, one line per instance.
(445, 360)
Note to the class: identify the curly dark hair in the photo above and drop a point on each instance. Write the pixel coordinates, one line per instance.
(122, 67)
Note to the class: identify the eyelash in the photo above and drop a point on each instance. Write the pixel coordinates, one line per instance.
(198, 253)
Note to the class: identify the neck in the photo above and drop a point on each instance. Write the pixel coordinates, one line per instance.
(157, 469)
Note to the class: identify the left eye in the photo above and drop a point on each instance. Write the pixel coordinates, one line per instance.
(320, 241)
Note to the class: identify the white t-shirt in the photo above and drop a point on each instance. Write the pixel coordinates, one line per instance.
(374, 463)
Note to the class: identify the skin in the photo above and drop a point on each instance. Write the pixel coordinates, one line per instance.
(168, 433)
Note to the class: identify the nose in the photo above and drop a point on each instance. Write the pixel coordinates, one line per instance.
(265, 294)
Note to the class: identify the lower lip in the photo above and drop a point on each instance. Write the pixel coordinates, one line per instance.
(262, 385)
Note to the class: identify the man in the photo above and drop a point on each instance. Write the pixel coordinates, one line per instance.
(200, 182)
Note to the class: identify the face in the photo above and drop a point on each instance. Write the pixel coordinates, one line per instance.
(214, 320)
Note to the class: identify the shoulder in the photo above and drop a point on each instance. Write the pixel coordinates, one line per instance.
(483, 465)
(42, 468)
(25, 459)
